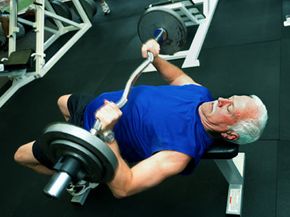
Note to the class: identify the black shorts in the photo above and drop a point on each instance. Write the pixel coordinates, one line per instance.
(76, 105)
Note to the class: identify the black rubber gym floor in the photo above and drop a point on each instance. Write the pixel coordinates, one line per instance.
(246, 51)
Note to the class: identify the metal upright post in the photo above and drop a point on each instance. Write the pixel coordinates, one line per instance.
(39, 22)
(13, 29)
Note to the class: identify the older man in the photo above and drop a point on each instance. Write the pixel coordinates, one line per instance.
(166, 129)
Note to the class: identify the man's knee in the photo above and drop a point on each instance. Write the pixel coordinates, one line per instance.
(62, 101)
(24, 154)
(62, 105)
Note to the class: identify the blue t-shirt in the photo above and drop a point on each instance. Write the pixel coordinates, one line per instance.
(157, 118)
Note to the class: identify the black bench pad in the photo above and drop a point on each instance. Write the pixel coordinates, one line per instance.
(222, 149)
(18, 60)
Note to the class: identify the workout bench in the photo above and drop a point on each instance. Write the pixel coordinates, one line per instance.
(190, 13)
(43, 9)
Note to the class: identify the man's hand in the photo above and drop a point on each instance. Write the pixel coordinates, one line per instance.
(151, 46)
(108, 115)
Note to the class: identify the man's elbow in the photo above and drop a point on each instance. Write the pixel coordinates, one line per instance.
(123, 193)
(120, 194)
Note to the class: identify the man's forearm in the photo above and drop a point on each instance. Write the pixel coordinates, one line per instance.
(168, 71)
(172, 74)
(123, 176)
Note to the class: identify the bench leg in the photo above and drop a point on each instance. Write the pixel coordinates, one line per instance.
(233, 171)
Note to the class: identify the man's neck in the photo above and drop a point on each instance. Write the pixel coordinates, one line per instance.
(203, 120)
(206, 126)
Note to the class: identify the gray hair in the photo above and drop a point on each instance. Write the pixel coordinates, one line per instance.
(250, 130)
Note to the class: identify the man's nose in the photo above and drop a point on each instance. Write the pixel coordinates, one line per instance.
(223, 101)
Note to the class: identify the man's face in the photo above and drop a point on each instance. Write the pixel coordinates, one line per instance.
(218, 115)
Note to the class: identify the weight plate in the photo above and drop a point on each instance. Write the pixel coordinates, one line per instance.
(170, 21)
(82, 138)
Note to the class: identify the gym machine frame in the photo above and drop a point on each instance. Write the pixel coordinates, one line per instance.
(191, 55)
(43, 9)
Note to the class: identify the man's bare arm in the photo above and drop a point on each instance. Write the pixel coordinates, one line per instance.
(171, 73)
(147, 173)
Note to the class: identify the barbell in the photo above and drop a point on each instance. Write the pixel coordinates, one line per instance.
(80, 155)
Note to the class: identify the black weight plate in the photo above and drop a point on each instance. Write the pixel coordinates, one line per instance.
(61, 9)
(90, 8)
(91, 165)
(155, 18)
(97, 147)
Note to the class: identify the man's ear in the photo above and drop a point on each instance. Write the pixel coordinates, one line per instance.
(230, 135)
